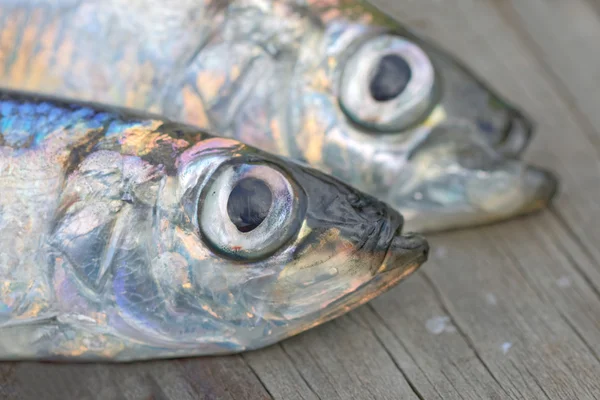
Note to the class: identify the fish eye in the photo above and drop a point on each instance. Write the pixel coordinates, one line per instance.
(387, 84)
(248, 211)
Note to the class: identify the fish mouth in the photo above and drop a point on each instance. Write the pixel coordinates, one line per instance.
(544, 188)
(405, 254)
(516, 135)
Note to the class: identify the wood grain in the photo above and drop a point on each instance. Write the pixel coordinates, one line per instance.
(501, 312)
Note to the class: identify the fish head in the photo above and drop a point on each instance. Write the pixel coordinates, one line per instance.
(395, 116)
(205, 244)
(272, 242)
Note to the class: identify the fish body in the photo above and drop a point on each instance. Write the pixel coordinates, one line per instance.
(335, 84)
(125, 236)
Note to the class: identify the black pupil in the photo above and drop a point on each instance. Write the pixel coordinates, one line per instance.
(249, 204)
(392, 77)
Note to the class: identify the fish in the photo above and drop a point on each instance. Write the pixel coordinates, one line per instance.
(336, 84)
(125, 236)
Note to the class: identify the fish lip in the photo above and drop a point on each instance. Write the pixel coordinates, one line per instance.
(382, 279)
(553, 185)
(406, 253)
(546, 191)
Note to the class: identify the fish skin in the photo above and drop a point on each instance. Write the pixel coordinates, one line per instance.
(115, 242)
(270, 73)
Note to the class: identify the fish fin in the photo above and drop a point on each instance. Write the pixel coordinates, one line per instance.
(39, 320)
(23, 338)
(58, 337)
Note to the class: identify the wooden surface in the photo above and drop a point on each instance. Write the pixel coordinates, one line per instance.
(502, 312)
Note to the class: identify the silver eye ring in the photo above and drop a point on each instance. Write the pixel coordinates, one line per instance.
(248, 211)
(387, 84)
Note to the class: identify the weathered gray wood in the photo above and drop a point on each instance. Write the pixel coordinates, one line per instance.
(207, 378)
(279, 373)
(507, 311)
(345, 361)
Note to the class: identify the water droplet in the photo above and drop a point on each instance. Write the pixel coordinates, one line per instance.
(437, 325)
(564, 282)
(491, 299)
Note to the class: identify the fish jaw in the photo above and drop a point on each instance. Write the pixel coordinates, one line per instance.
(334, 271)
(454, 179)
(405, 255)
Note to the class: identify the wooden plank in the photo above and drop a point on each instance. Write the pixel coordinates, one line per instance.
(278, 372)
(342, 360)
(206, 378)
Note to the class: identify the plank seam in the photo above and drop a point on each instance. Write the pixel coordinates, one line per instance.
(539, 385)
(452, 383)
(257, 377)
(526, 381)
(465, 377)
(587, 345)
(390, 355)
(336, 321)
(323, 373)
(299, 372)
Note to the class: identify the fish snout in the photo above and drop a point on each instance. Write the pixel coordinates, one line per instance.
(542, 187)
(406, 253)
